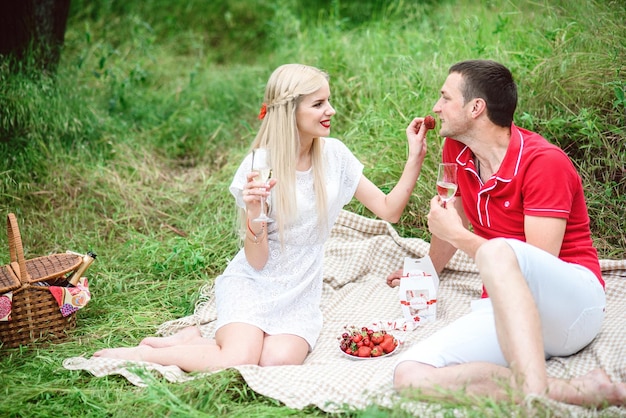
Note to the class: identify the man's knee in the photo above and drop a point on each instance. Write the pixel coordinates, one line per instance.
(410, 374)
(493, 251)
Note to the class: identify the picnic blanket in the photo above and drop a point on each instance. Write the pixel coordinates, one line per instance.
(359, 255)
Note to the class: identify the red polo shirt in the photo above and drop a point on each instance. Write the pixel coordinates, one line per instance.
(536, 178)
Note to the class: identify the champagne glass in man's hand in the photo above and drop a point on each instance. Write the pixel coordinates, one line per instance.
(446, 182)
(261, 164)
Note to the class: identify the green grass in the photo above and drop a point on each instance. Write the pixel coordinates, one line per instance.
(129, 151)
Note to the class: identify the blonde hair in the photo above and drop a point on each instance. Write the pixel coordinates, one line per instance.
(279, 132)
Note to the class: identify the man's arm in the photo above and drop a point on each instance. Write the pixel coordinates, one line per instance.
(542, 232)
(545, 233)
(449, 228)
(441, 250)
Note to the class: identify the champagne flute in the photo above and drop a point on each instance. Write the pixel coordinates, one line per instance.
(446, 181)
(261, 164)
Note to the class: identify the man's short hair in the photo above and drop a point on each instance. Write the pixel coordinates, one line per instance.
(492, 82)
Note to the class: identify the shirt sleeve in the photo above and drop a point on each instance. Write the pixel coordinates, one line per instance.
(550, 185)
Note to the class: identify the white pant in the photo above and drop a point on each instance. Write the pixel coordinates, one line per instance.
(570, 300)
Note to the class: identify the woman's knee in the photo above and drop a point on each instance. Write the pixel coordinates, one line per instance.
(283, 351)
(240, 344)
(280, 359)
(241, 357)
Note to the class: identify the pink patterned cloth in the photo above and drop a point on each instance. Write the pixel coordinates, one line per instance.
(6, 303)
(70, 299)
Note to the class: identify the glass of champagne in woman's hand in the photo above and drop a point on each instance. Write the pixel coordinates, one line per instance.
(446, 182)
(261, 164)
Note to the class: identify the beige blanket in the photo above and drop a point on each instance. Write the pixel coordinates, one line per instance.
(359, 255)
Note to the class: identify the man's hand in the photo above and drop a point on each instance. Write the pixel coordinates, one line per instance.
(449, 225)
(393, 279)
(444, 222)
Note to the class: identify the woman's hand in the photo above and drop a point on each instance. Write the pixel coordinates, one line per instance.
(389, 207)
(252, 192)
(416, 136)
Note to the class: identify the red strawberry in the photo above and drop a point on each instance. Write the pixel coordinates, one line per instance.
(377, 351)
(429, 122)
(377, 338)
(388, 345)
(364, 351)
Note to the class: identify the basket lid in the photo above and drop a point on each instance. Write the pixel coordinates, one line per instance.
(8, 279)
(52, 266)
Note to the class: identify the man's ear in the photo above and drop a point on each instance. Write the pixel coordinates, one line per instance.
(478, 107)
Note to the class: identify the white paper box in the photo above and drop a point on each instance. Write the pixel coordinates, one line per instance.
(418, 291)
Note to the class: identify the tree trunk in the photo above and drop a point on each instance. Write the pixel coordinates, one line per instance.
(32, 32)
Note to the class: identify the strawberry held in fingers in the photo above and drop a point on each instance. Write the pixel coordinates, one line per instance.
(429, 122)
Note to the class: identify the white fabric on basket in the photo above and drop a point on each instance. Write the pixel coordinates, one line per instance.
(359, 255)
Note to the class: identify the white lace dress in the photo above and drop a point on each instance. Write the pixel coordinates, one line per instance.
(284, 297)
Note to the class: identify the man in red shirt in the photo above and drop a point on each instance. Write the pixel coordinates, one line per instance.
(543, 293)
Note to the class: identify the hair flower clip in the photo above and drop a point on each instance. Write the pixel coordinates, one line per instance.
(263, 111)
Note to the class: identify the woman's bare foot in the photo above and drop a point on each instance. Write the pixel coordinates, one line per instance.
(125, 353)
(184, 336)
(597, 389)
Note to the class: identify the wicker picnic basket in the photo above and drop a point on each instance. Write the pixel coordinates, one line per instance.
(35, 313)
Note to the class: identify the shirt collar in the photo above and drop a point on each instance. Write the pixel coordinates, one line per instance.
(510, 165)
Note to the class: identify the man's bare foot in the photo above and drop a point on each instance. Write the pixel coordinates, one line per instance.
(596, 389)
(184, 336)
(125, 353)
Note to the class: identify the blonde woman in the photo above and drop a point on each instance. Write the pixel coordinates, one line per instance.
(268, 298)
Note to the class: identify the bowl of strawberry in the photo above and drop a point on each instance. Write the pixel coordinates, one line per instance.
(365, 343)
